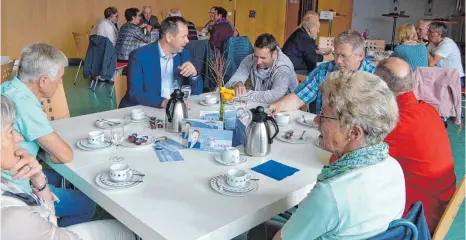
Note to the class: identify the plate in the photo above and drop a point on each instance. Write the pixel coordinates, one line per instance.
(222, 183)
(218, 158)
(144, 119)
(126, 143)
(106, 125)
(203, 103)
(307, 123)
(103, 180)
(78, 144)
(216, 187)
(86, 144)
(295, 139)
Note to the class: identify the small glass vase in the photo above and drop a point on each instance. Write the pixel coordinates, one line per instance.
(222, 109)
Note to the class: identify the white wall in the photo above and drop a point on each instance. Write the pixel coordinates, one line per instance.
(367, 14)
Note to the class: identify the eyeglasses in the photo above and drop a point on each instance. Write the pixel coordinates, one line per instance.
(321, 115)
(344, 57)
(213, 13)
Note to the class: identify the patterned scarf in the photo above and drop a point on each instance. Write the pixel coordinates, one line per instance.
(221, 20)
(356, 159)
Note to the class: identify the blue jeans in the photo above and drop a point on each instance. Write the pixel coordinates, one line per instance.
(74, 206)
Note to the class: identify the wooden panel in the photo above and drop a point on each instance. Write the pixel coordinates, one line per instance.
(292, 12)
(270, 18)
(340, 23)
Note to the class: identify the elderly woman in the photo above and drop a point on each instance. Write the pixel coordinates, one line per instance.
(28, 215)
(357, 196)
(411, 49)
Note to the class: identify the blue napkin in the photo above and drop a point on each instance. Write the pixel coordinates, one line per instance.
(275, 170)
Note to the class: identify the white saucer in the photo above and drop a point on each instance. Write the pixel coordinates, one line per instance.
(106, 125)
(222, 183)
(284, 125)
(144, 119)
(218, 158)
(86, 144)
(203, 103)
(295, 139)
(103, 180)
(307, 123)
(221, 190)
(126, 143)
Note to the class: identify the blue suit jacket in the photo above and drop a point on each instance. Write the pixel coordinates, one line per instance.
(196, 145)
(145, 77)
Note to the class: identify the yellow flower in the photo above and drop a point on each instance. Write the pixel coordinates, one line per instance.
(227, 94)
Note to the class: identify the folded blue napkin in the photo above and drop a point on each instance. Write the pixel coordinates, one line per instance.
(275, 170)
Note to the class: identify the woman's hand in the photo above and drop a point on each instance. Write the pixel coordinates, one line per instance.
(27, 167)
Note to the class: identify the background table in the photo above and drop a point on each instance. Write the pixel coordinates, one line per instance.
(175, 201)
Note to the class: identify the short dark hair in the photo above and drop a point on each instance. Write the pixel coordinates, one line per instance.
(110, 11)
(440, 27)
(130, 13)
(170, 25)
(221, 11)
(266, 40)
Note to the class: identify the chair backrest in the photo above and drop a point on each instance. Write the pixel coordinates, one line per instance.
(301, 78)
(121, 85)
(450, 213)
(326, 42)
(7, 69)
(82, 41)
(236, 49)
(375, 45)
(56, 107)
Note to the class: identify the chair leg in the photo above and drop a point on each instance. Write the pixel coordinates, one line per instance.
(79, 68)
(96, 82)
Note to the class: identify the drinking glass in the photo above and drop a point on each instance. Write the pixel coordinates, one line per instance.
(117, 134)
(175, 85)
(186, 90)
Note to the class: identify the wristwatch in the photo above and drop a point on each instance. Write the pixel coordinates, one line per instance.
(38, 189)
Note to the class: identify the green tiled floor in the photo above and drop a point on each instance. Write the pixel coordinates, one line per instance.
(82, 101)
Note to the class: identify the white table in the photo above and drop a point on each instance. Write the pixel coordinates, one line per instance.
(175, 201)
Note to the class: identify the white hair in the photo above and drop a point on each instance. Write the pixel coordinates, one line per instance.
(353, 38)
(8, 111)
(40, 59)
(175, 12)
(361, 99)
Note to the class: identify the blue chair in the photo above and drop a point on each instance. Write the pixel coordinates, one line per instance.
(235, 50)
(413, 227)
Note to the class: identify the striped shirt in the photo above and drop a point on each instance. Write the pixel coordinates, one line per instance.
(131, 37)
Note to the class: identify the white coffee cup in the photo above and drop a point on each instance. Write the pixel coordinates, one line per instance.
(282, 118)
(119, 172)
(237, 177)
(96, 137)
(210, 99)
(137, 114)
(230, 155)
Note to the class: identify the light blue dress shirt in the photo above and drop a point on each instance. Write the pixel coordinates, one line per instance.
(166, 68)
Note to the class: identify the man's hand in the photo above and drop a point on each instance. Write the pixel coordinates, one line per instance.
(164, 103)
(324, 51)
(149, 28)
(275, 108)
(240, 89)
(26, 167)
(188, 70)
(143, 25)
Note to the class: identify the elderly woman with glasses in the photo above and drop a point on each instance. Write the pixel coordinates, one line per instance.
(28, 215)
(357, 196)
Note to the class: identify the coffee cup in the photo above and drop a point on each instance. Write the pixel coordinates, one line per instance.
(237, 177)
(137, 114)
(96, 137)
(230, 155)
(282, 118)
(210, 99)
(119, 172)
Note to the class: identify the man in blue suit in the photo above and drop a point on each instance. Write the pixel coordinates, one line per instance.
(154, 68)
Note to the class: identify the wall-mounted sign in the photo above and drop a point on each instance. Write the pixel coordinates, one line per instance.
(326, 15)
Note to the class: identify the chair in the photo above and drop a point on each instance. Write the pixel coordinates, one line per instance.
(450, 213)
(7, 69)
(301, 78)
(120, 85)
(118, 72)
(56, 107)
(326, 42)
(375, 45)
(81, 40)
(236, 49)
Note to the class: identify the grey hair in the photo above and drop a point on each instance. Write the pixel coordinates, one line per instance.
(361, 99)
(40, 59)
(353, 38)
(440, 27)
(395, 83)
(8, 111)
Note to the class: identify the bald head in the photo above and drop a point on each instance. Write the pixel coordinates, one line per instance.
(397, 74)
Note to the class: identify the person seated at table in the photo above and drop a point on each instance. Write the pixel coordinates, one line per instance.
(410, 49)
(194, 143)
(192, 31)
(131, 36)
(185, 133)
(31, 214)
(359, 195)
(269, 69)
(420, 144)
(147, 19)
(422, 28)
(41, 69)
(214, 16)
(445, 53)
(349, 50)
(301, 46)
(221, 30)
(108, 26)
(154, 68)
